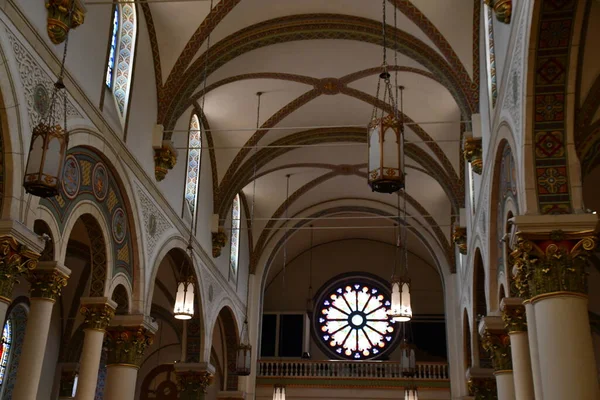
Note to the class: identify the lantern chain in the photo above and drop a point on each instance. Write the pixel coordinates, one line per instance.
(206, 63)
(287, 205)
(258, 95)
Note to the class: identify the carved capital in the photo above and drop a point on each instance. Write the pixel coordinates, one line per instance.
(47, 280)
(483, 388)
(473, 154)
(193, 381)
(459, 238)
(97, 312)
(15, 260)
(165, 158)
(126, 345)
(502, 9)
(552, 262)
(497, 344)
(219, 239)
(58, 24)
(513, 315)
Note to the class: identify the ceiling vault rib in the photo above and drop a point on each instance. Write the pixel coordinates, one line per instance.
(307, 27)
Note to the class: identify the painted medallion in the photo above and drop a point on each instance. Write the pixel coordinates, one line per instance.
(119, 225)
(71, 177)
(100, 181)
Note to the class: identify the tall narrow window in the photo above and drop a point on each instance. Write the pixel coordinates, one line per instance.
(235, 235)
(5, 350)
(491, 55)
(193, 163)
(119, 69)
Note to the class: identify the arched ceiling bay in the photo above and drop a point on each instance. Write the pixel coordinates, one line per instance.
(317, 63)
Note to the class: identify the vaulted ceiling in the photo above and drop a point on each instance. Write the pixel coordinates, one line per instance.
(317, 63)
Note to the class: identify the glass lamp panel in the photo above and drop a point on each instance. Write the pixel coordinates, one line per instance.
(34, 162)
(391, 151)
(374, 149)
(189, 299)
(52, 163)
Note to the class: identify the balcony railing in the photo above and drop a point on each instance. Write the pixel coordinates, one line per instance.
(348, 369)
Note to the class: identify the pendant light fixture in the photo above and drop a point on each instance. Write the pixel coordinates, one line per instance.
(49, 140)
(408, 364)
(401, 310)
(184, 300)
(411, 393)
(243, 364)
(386, 131)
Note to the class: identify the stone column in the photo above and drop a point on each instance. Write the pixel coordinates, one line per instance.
(97, 312)
(538, 390)
(481, 384)
(513, 314)
(193, 380)
(551, 257)
(496, 342)
(68, 375)
(17, 256)
(47, 281)
(127, 339)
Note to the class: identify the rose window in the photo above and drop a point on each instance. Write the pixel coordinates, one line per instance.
(351, 320)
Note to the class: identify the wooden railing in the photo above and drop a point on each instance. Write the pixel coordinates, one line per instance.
(348, 369)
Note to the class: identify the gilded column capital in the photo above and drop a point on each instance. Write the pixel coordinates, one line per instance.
(219, 239)
(15, 260)
(513, 315)
(459, 238)
(483, 388)
(59, 24)
(552, 262)
(165, 158)
(48, 279)
(495, 340)
(126, 345)
(473, 154)
(502, 9)
(97, 312)
(193, 379)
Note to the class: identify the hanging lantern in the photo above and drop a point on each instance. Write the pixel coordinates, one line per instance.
(411, 394)
(408, 362)
(244, 353)
(385, 154)
(184, 301)
(400, 311)
(279, 392)
(46, 153)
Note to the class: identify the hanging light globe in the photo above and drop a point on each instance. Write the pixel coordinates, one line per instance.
(411, 394)
(244, 353)
(184, 301)
(400, 310)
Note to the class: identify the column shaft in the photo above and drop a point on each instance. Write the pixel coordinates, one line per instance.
(120, 382)
(567, 364)
(534, 352)
(89, 364)
(34, 348)
(506, 385)
(521, 360)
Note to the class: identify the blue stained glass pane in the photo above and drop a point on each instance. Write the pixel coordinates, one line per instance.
(113, 47)
(6, 342)
(235, 234)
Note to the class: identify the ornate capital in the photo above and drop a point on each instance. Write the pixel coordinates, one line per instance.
(497, 344)
(15, 260)
(165, 158)
(472, 153)
(47, 280)
(193, 381)
(459, 238)
(513, 315)
(502, 9)
(483, 388)
(552, 262)
(126, 345)
(219, 239)
(58, 18)
(97, 312)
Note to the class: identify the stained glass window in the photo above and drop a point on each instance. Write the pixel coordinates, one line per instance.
(352, 320)
(235, 234)
(120, 61)
(491, 54)
(6, 342)
(193, 163)
(113, 49)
